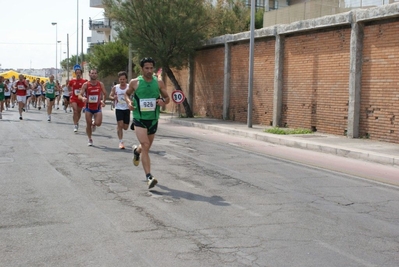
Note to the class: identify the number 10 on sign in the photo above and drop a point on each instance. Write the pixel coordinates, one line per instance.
(178, 96)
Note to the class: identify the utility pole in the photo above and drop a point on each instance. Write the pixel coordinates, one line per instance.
(68, 56)
(77, 32)
(129, 66)
(56, 49)
(81, 57)
(251, 65)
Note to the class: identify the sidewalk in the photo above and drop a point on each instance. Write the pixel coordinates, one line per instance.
(364, 149)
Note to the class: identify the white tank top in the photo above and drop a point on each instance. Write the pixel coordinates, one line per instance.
(9, 86)
(29, 91)
(120, 102)
(65, 91)
(39, 90)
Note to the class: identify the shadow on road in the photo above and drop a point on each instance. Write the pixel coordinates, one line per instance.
(177, 194)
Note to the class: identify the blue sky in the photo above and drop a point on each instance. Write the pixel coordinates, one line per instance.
(28, 40)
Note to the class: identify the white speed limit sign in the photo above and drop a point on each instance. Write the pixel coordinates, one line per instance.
(178, 96)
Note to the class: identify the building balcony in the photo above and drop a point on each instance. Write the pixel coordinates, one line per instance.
(96, 3)
(100, 25)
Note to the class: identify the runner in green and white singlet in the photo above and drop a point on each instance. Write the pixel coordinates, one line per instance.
(50, 88)
(149, 95)
(3, 88)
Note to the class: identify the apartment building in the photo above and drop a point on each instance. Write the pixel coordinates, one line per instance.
(288, 11)
(102, 30)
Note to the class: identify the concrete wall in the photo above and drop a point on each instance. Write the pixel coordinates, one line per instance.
(337, 74)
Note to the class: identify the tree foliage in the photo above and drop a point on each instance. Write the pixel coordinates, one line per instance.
(109, 58)
(65, 63)
(259, 18)
(170, 31)
(229, 17)
(233, 16)
(167, 30)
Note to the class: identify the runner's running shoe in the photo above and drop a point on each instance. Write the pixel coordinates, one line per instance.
(90, 143)
(93, 126)
(136, 156)
(121, 145)
(151, 182)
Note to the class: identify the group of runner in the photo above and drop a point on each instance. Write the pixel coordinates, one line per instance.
(26, 94)
(149, 94)
(88, 96)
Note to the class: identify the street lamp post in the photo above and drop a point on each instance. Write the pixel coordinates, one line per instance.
(57, 77)
(56, 42)
(66, 58)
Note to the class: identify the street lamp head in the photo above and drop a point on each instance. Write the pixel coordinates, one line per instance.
(58, 41)
(53, 23)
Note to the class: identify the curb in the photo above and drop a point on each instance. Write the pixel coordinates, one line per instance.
(292, 142)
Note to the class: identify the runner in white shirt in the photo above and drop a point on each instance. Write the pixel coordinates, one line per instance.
(57, 95)
(7, 94)
(13, 81)
(28, 94)
(66, 95)
(122, 111)
(38, 94)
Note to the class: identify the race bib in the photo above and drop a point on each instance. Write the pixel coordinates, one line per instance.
(148, 104)
(93, 98)
(1, 90)
(21, 87)
(77, 91)
(50, 91)
(121, 99)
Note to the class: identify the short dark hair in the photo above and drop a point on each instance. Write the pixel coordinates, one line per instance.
(147, 60)
(122, 73)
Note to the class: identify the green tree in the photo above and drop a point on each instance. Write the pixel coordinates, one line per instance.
(109, 58)
(69, 63)
(229, 17)
(259, 18)
(167, 30)
(233, 16)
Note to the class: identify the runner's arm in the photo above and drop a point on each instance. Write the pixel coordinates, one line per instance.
(69, 87)
(82, 91)
(165, 97)
(104, 94)
(132, 87)
(112, 94)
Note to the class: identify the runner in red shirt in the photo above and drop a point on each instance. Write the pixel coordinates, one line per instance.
(74, 87)
(21, 86)
(93, 94)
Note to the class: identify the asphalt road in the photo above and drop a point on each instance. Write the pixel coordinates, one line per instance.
(221, 201)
